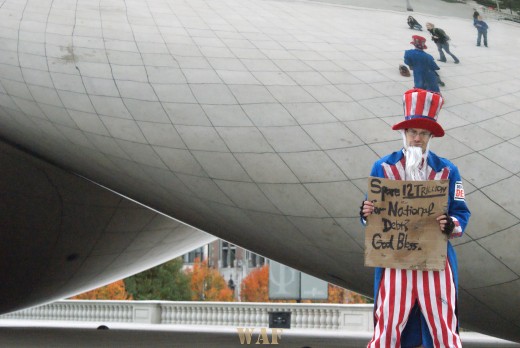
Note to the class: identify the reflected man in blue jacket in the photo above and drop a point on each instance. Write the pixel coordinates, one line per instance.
(482, 29)
(423, 66)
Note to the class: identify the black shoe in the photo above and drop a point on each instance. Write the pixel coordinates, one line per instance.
(457, 62)
(441, 84)
(440, 60)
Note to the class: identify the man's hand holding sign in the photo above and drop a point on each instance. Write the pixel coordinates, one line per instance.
(403, 223)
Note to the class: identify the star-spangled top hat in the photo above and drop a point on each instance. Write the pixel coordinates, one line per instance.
(419, 42)
(421, 109)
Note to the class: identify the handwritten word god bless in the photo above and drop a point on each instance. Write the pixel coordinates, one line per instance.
(403, 232)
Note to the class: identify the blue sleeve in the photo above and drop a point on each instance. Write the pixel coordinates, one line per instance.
(407, 58)
(374, 172)
(433, 64)
(456, 203)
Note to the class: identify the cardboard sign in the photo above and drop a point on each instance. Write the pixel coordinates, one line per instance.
(403, 232)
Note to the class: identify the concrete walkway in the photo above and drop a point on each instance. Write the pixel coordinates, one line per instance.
(57, 334)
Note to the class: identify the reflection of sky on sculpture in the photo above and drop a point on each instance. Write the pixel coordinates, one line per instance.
(258, 121)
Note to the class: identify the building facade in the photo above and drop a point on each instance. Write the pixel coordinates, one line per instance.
(233, 262)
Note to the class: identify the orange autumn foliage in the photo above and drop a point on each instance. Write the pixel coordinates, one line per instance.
(340, 295)
(207, 284)
(354, 297)
(336, 294)
(255, 287)
(113, 291)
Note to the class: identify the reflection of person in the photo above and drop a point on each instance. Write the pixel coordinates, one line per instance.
(475, 15)
(423, 65)
(231, 283)
(413, 24)
(482, 28)
(441, 40)
(414, 307)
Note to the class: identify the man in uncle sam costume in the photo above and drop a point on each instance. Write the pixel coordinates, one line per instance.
(413, 307)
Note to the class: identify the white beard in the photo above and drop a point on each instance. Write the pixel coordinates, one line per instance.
(415, 164)
(415, 168)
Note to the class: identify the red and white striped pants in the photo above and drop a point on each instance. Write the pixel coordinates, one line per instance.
(398, 292)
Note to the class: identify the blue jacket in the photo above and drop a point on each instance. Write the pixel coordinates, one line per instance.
(481, 25)
(416, 330)
(423, 66)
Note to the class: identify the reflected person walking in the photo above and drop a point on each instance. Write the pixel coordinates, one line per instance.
(441, 39)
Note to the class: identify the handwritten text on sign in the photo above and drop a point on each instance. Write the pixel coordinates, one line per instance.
(403, 232)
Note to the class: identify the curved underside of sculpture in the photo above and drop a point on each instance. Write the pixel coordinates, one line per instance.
(254, 121)
(63, 234)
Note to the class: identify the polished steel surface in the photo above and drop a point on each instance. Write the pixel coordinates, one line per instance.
(258, 122)
(62, 234)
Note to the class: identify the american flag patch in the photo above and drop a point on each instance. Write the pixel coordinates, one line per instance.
(459, 191)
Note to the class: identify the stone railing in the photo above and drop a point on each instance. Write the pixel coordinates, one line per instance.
(232, 314)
